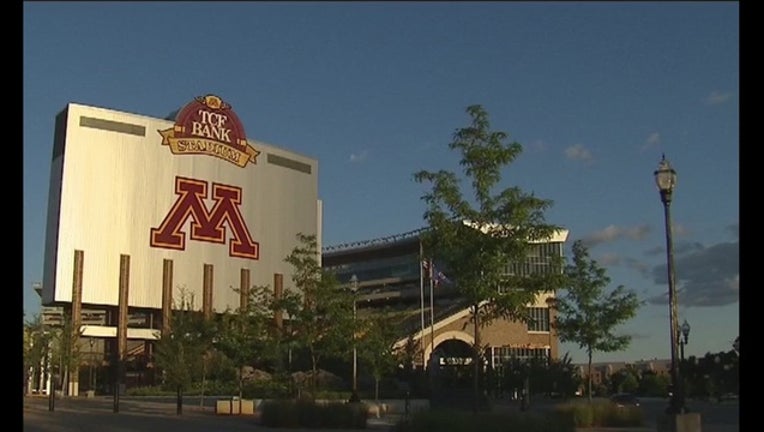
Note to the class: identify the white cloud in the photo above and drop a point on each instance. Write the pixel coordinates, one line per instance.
(613, 233)
(679, 230)
(716, 97)
(359, 157)
(609, 259)
(637, 233)
(653, 140)
(579, 152)
(538, 146)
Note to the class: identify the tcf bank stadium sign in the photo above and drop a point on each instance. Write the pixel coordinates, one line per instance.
(207, 126)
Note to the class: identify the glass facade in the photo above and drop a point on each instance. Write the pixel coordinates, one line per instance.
(403, 267)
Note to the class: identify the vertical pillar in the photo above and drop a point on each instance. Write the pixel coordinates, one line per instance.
(278, 289)
(122, 310)
(76, 316)
(553, 337)
(207, 292)
(166, 296)
(244, 289)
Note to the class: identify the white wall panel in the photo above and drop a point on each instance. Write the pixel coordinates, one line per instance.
(116, 187)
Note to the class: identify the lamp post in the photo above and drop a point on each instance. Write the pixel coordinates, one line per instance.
(91, 342)
(354, 289)
(683, 336)
(665, 179)
(684, 333)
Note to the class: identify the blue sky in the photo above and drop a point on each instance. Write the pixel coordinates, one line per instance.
(595, 93)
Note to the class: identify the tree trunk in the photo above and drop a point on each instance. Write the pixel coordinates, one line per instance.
(376, 389)
(589, 376)
(179, 401)
(476, 359)
(204, 375)
(241, 382)
(313, 386)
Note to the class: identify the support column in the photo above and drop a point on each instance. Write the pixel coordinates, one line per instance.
(76, 317)
(166, 296)
(124, 284)
(278, 289)
(207, 292)
(244, 289)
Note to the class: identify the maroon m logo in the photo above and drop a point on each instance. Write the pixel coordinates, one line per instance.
(207, 225)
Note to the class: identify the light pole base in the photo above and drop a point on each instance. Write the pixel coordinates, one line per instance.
(687, 422)
(354, 397)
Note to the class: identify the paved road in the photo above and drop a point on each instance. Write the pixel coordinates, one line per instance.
(142, 415)
(714, 417)
(158, 415)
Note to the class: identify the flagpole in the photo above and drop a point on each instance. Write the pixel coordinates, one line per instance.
(432, 308)
(421, 301)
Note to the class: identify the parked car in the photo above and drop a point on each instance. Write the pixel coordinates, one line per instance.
(624, 400)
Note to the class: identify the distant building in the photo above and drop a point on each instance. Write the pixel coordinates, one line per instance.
(601, 371)
(389, 273)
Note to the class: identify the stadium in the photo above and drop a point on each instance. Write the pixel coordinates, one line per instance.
(390, 274)
(143, 211)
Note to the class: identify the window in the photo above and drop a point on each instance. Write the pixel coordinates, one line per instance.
(539, 319)
(506, 354)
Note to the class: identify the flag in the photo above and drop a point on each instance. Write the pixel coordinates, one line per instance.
(436, 275)
(440, 277)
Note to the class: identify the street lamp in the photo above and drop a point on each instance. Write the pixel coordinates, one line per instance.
(684, 334)
(665, 179)
(354, 288)
(91, 342)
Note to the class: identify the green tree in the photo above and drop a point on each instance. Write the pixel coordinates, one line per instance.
(245, 333)
(320, 311)
(653, 385)
(625, 380)
(375, 346)
(179, 353)
(207, 331)
(478, 235)
(407, 354)
(36, 347)
(564, 375)
(65, 350)
(588, 314)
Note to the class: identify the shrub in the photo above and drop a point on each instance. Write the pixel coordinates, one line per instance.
(214, 388)
(149, 391)
(309, 414)
(265, 389)
(601, 414)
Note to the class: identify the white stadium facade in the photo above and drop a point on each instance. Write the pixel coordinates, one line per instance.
(145, 210)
